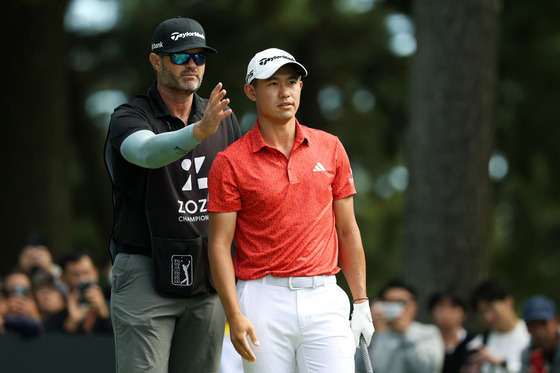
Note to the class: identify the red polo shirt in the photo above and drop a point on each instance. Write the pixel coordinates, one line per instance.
(285, 217)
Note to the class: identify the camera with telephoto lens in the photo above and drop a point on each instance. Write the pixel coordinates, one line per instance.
(82, 287)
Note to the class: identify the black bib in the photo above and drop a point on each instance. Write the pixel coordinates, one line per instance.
(176, 201)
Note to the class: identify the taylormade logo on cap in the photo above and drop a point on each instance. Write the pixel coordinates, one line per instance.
(264, 64)
(264, 61)
(178, 35)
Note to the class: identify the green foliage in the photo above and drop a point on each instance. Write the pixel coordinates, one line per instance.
(344, 50)
(527, 199)
(348, 51)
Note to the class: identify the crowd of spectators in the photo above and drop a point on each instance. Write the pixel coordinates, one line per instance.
(71, 296)
(40, 295)
(506, 344)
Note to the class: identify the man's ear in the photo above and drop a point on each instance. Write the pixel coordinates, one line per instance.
(250, 92)
(156, 61)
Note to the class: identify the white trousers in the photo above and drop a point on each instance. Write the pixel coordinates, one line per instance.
(304, 330)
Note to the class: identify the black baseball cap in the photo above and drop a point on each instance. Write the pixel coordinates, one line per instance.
(179, 34)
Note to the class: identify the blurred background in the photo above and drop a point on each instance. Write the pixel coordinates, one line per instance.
(448, 111)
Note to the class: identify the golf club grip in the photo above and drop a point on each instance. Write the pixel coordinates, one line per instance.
(365, 354)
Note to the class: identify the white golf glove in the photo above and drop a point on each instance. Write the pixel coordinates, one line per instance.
(362, 323)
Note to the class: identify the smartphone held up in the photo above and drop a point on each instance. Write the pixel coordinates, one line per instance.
(391, 310)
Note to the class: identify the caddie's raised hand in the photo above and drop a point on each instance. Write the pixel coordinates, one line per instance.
(215, 112)
(362, 323)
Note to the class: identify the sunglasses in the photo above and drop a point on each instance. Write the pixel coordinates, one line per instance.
(20, 290)
(184, 58)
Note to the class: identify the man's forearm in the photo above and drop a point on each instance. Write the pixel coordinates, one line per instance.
(350, 250)
(353, 264)
(146, 149)
(220, 237)
(223, 276)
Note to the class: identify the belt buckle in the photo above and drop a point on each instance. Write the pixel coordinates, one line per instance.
(317, 282)
(291, 286)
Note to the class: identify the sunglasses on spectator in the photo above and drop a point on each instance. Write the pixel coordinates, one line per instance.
(20, 290)
(184, 58)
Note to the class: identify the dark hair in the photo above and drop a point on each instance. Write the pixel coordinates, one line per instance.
(397, 283)
(455, 299)
(15, 271)
(490, 290)
(40, 277)
(72, 257)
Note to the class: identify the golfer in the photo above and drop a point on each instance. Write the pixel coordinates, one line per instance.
(284, 193)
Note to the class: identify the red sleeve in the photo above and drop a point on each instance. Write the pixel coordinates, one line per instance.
(343, 183)
(223, 193)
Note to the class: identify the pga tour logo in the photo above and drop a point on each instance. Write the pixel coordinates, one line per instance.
(181, 270)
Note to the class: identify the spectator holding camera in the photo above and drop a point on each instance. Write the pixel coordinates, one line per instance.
(87, 310)
(21, 312)
(543, 354)
(400, 344)
(498, 349)
(448, 312)
(48, 295)
(36, 255)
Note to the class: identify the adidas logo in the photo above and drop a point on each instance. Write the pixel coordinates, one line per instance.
(319, 167)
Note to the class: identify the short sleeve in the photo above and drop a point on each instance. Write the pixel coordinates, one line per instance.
(343, 183)
(223, 191)
(124, 122)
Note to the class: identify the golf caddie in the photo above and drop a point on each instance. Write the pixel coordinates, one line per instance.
(165, 311)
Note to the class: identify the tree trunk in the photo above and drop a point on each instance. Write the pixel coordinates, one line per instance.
(35, 187)
(448, 221)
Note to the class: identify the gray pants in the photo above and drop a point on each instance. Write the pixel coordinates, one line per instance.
(154, 334)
